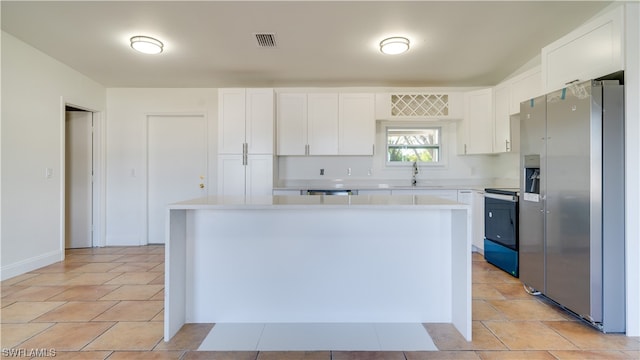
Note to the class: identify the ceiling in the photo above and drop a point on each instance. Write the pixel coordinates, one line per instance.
(319, 43)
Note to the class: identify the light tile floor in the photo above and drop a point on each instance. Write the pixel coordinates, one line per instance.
(107, 303)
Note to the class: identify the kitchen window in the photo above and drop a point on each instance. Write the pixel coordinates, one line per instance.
(414, 144)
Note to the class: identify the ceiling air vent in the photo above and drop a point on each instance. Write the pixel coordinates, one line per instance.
(266, 40)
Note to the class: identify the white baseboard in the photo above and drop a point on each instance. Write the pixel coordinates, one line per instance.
(123, 241)
(32, 263)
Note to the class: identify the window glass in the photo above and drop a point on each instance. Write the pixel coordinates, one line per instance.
(413, 144)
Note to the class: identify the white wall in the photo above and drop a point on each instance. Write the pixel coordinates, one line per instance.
(126, 161)
(34, 89)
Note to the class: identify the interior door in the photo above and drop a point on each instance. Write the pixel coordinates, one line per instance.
(78, 182)
(176, 166)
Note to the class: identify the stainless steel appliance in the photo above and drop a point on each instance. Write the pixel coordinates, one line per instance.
(501, 228)
(572, 200)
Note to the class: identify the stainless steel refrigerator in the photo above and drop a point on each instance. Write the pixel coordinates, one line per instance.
(572, 200)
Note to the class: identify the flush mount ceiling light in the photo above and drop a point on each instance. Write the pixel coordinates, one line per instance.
(147, 45)
(394, 45)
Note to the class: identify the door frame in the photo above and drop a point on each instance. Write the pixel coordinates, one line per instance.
(144, 207)
(98, 159)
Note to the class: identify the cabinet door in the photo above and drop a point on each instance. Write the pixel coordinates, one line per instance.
(231, 120)
(259, 175)
(451, 195)
(259, 121)
(231, 175)
(501, 135)
(465, 197)
(374, 192)
(292, 124)
(590, 51)
(526, 86)
(322, 122)
(477, 223)
(357, 124)
(478, 122)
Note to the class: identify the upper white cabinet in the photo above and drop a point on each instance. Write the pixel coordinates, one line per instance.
(525, 86)
(292, 124)
(501, 133)
(590, 51)
(246, 119)
(357, 130)
(438, 105)
(325, 124)
(507, 98)
(475, 132)
(322, 122)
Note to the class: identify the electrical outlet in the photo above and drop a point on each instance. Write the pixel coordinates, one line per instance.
(349, 171)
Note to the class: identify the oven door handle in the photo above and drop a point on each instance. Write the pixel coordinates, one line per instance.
(501, 197)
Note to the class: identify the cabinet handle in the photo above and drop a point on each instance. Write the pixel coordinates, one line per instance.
(465, 149)
(245, 150)
(572, 82)
(306, 150)
(506, 145)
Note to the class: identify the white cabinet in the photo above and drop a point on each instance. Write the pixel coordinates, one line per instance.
(374, 191)
(251, 177)
(322, 122)
(477, 227)
(292, 124)
(594, 49)
(287, 192)
(245, 116)
(501, 126)
(259, 175)
(476, 200)
(443, 194)
(475, 133)
(245, 142)
(325, 124)
(524, 87)
(357, 122)
(507, 97)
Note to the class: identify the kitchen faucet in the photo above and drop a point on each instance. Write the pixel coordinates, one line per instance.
(414, 181)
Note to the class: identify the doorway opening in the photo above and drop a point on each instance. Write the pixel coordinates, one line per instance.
(81, 190)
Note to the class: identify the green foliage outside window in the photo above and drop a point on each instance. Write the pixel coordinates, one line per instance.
(413, 145)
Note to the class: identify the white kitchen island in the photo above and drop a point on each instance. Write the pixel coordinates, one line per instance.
(318, 259)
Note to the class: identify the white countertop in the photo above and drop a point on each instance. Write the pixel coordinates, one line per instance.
(328, 185)
(319, 202)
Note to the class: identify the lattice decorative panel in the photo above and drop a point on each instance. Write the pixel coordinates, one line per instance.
(420, 105)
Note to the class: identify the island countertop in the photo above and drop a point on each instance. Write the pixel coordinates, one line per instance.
(318, 201)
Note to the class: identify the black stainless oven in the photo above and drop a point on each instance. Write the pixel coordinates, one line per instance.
(501, 229)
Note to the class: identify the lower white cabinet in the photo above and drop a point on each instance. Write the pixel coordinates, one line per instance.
(287, 192)
(444, 194)
(374, 191)
(237, 178)
(475, 198)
